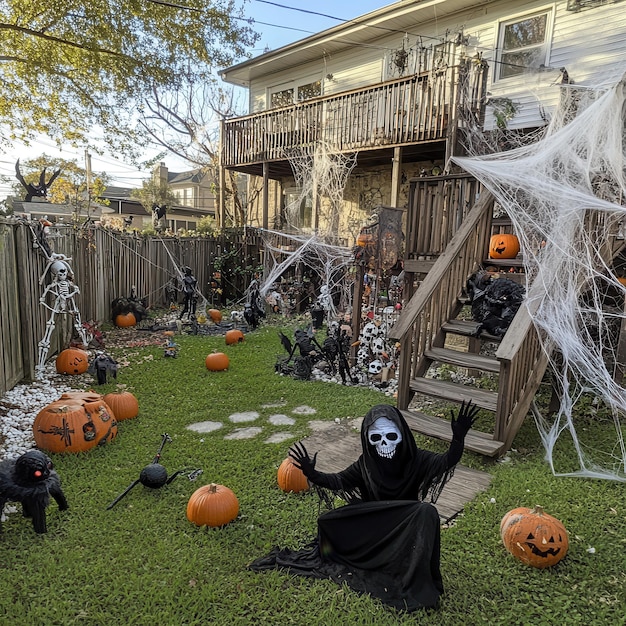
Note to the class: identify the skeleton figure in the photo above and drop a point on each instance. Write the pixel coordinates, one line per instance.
(63, 290)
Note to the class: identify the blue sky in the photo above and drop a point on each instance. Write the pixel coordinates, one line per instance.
(279, 22)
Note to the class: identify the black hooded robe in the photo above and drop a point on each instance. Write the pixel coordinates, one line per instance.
(386, 541)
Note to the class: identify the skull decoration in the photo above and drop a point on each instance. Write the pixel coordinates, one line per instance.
(384, 435)
(378, 346)
(375, 367)
(370, 330)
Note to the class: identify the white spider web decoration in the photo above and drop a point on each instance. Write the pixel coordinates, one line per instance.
(320, 176)
(565, 196)
(329, 262)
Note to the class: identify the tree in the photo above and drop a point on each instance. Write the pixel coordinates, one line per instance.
(71, 66)
(186, 123)
(69, 188)
(155, 196)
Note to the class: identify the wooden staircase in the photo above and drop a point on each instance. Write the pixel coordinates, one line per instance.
(430, 331)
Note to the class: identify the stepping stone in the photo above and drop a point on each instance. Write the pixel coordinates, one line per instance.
(246, 416)
(205, 427)
(304, 410)
(279, 437)
(281, 420)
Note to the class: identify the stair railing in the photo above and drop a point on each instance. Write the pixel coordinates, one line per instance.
(436, 299)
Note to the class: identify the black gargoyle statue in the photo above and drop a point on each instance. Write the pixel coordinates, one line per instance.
(36, 190)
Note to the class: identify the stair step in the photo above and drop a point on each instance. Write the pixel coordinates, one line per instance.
(431, 426)
(463, 359)
(467, 328)
(455, 392)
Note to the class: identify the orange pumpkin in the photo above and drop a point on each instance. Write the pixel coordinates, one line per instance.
(290, 477)
(123, 404)
(217, 361)
(124, 320)
(234, 336)
(503, 246)
(212, 505)
(215, 315)
(78, 421)
(72, 361)
(534, 537)
(364, 239)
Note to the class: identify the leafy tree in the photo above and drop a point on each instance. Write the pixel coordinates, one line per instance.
(70, 66)
(69, 188)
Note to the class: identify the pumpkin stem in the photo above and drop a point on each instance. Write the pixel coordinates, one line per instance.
(212, 488)
(537, 510)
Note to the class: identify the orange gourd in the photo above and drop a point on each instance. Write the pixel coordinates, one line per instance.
(290, 477)
(212, 505)
(534, 537)
(503, 246)
(72, 361)
(234, 336)
(215, 315)
(216, 362)
(125, 320)
(123, 404)
(78, 421)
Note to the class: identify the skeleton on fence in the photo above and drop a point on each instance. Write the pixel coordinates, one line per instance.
(63, 290)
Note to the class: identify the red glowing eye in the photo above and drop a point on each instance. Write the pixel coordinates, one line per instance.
(38, 474)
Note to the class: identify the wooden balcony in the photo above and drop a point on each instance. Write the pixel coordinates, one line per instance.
(420, 109)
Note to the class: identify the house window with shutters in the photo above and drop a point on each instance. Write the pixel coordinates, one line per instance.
(523, 44)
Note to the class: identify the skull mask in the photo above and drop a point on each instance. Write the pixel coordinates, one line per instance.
(384, 435)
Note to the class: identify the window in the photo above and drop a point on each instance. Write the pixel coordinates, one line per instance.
(282, 98)
(523, 44)
(184, 196)
(299, 209)
(298, 91)
(310, 90)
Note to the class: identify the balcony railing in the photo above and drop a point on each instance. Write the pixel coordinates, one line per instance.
(414, 109)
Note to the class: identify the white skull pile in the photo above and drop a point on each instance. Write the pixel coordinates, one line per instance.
(385, 436)
(375, 367)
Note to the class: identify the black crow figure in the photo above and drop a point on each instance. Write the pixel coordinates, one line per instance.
(31, 480)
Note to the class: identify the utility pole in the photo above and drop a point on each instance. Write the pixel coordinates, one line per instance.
(88, 173)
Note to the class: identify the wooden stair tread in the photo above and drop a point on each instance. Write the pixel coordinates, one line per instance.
(467, 328)
(432, 426)
(455, 392)
(469, 360)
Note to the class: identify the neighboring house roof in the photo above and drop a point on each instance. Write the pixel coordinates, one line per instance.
(193, 176)
(402, 17)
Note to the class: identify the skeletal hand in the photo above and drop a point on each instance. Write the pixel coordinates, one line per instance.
(302, 460)
(464, 420)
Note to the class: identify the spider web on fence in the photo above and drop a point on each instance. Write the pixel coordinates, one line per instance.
(565, 196)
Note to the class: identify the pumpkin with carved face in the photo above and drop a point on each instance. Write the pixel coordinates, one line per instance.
(534, 537)
(503, 246)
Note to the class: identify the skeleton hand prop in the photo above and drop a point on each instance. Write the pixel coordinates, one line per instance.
(302, 460)
(463, 422)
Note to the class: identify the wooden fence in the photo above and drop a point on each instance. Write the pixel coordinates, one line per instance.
(107, 265)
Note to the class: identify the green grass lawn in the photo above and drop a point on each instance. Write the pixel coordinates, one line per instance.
(143, 563)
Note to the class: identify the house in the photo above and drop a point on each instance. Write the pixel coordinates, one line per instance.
(399, 90)
(193, 189)
(396, 94)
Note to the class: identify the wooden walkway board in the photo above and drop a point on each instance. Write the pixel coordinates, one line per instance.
(339, 445)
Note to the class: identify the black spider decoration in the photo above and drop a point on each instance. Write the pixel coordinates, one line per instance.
(155, 475)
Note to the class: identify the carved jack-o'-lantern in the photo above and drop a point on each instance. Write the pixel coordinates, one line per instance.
(503, 246)
(72, 361)
(76, 422)
(534, 537)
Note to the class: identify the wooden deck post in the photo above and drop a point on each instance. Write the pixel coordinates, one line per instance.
(396, 169)
(265, 195)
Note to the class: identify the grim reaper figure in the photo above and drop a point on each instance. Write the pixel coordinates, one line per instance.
(386, 541)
